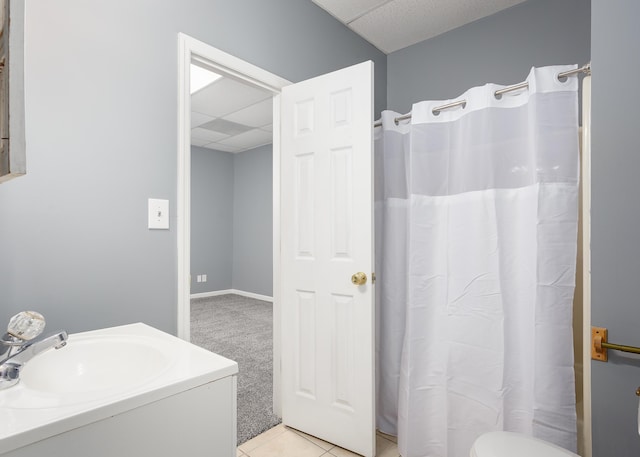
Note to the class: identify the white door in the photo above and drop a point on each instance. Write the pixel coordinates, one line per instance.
(327, 236)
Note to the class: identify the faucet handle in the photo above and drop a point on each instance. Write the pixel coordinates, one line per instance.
(26, 325)
(9, 373)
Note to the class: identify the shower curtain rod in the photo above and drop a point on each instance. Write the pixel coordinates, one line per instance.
(586, 69)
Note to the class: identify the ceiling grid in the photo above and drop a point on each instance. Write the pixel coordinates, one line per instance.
(232, 116)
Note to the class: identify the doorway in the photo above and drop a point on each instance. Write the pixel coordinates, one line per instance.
(205, 56)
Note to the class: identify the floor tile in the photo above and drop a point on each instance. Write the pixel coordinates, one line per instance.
(388, 452)
(282, 441)
(239, 453)
(382, 444)
(261, 439)
(386, 447)
(317, 441)
(388, 437)
(287, 444)
(339, 452)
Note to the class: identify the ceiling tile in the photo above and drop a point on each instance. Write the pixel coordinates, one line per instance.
(255, 115)
(222, 147)
(347, 11)
(199, 119)
(204, 134)
(401, 23)
(198, 142)
(226, 127)
(250, 139)
(226, 96)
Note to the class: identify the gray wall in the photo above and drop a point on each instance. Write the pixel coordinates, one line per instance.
(616, 217)
(232, 220)
(101, 122)
(253, 221)
(212, 179)
(501, 49)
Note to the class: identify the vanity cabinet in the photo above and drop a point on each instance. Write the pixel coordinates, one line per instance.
(198, 422)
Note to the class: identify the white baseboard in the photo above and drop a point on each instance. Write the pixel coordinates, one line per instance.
(233, 291)
(212, 293)
(252, 295)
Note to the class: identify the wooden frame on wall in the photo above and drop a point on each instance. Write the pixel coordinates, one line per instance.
(12, 118)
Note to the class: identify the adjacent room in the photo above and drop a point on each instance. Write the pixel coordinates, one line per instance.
(232, 236)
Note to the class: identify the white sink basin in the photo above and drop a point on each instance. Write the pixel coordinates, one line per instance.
(89, 367)
(96, 363)
(98, 375)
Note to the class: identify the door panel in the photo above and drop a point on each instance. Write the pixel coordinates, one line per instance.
(327, 236)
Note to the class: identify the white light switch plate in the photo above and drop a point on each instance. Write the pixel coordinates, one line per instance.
(158, 214)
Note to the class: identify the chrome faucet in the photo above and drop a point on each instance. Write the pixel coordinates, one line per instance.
(16, 348)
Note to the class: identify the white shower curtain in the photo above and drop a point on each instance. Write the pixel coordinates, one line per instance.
(476, 233)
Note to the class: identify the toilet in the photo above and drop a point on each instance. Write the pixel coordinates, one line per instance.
(509, 444)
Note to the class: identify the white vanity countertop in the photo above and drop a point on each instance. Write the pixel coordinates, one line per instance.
(27, 415)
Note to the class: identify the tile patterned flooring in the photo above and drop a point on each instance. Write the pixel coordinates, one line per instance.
(281, 441)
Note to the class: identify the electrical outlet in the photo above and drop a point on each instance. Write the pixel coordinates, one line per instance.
(204, 278)
(199, 278)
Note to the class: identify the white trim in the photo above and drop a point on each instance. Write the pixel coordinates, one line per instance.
(586, 263)
(213, 293)
(230, 65)
(277, 314)
(242, 293)
(183, 194)
(189, 48)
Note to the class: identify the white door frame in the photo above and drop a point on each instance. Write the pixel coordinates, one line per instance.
(189, 48)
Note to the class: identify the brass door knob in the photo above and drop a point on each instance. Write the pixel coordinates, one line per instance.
(359, 278)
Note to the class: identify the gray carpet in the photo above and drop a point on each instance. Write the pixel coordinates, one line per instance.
(241, 329)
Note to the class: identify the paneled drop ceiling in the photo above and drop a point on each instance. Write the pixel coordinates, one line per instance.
(391, 25)
(231, 116)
